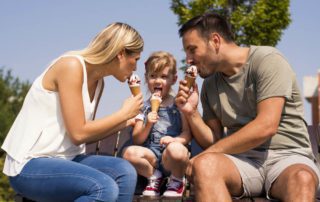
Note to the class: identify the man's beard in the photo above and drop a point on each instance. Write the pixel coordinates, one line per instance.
(204, 74)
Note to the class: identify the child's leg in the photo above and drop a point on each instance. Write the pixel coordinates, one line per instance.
(175, 158)
(143, 159)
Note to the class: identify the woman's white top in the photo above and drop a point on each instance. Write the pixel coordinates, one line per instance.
(39, 129)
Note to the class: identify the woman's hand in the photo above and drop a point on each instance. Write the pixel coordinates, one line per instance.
(186, 100)
(131, 122)
(132, 105)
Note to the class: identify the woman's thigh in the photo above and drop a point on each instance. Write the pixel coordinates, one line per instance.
(120, 170)
(112, 166)
(54, 179)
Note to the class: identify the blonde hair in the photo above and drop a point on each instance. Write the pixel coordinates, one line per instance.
(159, 60)
(109, 42)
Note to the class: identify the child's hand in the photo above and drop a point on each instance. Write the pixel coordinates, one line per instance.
(153, 117)
(167, 140)
(132, 106)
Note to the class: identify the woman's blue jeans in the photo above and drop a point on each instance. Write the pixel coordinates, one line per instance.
(85, 178)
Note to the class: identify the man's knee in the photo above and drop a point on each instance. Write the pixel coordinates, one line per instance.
(303, 178)
(296, 180)
(297, 177)
(206, 163)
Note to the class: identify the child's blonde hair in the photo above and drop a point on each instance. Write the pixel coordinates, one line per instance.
(109, 42)
(159, 60)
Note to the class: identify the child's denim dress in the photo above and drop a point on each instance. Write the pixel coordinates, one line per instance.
(168, 124)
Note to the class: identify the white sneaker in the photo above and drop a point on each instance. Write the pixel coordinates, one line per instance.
(175, 188)
(153, 187)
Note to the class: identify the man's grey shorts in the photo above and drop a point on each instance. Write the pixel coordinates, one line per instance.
(259, 169)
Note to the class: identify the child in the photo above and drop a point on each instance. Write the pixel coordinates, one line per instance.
(163, 134)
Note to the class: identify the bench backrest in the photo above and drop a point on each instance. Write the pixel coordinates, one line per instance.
(112, 144)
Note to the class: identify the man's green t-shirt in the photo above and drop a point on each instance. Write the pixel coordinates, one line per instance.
(233, 100)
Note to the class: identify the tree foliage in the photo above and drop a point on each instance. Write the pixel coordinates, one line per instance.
(6, 192)
(12, 93)
(256, 22)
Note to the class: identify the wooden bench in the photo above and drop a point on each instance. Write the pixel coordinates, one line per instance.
(113, 144)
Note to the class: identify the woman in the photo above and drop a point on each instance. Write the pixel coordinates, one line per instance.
(46, 144)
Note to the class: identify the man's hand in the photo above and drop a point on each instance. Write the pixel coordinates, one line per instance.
(186, 100)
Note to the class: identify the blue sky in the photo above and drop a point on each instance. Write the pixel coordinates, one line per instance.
(33, 33)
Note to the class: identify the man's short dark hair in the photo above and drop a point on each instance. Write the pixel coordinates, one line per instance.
(208, 23)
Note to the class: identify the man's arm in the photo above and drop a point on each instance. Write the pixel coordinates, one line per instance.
(205, 133)
(185, 135)
(256, 132)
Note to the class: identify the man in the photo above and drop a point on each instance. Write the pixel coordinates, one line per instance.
(253, 93)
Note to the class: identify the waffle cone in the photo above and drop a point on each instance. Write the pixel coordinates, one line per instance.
(190, 81)
(135, 90)
(155, 103)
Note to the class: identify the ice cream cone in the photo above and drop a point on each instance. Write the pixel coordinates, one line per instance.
(155, 101)
(134, 84)
(155, 104)
(190, 81)
(190, 75)
(135, 90)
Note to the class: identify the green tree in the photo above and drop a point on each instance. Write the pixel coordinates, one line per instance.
(256, 22)
(6, 192)
(12, 93)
